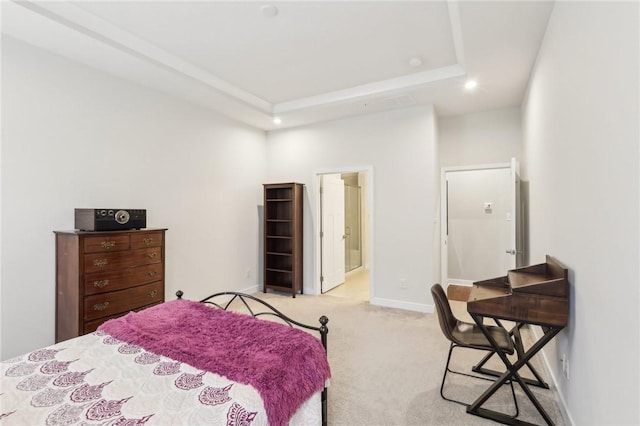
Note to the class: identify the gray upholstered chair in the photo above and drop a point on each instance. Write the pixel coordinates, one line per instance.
(467, 335)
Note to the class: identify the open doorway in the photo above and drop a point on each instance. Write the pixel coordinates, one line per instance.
(352, 221)
(344, 236)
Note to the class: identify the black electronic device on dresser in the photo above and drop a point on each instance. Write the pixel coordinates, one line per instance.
(110, 219)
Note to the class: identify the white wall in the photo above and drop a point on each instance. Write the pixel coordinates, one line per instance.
(75, 137)
(400, 146)
(487, 137)
(581, 119)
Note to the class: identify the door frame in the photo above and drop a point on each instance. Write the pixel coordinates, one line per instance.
(444, 252)
(317, 243)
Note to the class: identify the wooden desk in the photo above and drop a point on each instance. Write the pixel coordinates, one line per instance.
(536, 295)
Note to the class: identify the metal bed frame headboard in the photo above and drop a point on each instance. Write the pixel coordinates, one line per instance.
(323, 330)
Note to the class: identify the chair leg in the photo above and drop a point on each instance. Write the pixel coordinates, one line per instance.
(515, 401)
(444, 377)
(448, 370)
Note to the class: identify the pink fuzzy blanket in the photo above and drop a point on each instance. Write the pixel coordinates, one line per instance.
(285, 365)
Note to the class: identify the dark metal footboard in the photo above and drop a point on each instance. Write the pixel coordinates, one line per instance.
(272, 311)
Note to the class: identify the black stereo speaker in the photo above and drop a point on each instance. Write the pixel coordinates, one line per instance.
(110, 219)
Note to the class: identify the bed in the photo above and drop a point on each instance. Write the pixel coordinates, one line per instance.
(180, 362)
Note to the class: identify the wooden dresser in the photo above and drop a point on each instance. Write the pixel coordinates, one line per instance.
(103, 275)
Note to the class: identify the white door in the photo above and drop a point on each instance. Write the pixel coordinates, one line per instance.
(516, 250)
(481, 222)
(332, 231)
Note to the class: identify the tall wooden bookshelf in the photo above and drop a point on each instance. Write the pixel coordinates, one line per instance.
(283, 237)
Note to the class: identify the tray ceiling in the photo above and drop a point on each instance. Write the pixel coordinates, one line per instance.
(302, 61)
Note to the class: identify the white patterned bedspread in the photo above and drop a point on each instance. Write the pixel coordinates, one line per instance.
(97, 380)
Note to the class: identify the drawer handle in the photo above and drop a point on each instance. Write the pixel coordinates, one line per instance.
(101, 283)
(100, 262)
(153, 293)
(147, 241)
(152, 255)
(100, 306)
(108, 244)
(152, 273)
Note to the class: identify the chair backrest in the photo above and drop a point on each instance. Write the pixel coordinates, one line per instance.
(447, 320)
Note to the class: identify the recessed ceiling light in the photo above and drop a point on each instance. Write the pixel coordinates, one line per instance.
(277, 120)
(416, 61)
(269, 10)
(470, 84)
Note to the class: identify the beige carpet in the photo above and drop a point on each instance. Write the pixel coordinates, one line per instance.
(356, 286)
(387, 366)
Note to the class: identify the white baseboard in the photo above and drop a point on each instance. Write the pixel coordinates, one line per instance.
(251, 290)
(456, 281)
(400, 304)
(535, 331)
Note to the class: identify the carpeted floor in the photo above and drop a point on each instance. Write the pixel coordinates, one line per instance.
(387, 367)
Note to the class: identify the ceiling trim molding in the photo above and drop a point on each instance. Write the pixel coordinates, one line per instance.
(377, 88)
(89, 25)
(456, 30)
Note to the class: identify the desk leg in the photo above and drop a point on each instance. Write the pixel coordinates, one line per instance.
(510, 374)
(515, 332)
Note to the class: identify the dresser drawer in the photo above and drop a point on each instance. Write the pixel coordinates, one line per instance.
(122, 259)
(106, 243)
(105, 304)
(102, 282)
(91, 326)
(148, 239)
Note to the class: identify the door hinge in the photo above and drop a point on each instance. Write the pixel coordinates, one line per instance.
(321, 234)
(321, 278)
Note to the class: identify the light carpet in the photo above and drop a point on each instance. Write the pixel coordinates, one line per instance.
(387, 367)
